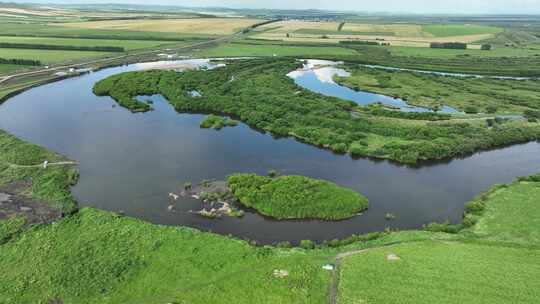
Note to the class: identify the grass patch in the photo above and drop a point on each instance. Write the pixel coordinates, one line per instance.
(217, 122)
(239, 49)
(50, 185)
(447, 30)
(98, 257)
(487, 95)
(48, 56)
(296, 197)
(126, 44)
(435, 272)
(9, 68)
(511, 214)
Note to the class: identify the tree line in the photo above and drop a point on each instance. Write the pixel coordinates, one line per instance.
(20, 62)
(61, 47)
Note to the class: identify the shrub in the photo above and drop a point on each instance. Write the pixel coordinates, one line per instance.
(307, 244)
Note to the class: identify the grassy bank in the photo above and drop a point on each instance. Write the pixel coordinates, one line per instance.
(99, 257)
(296, 197)
(20, 168)
(441, 272)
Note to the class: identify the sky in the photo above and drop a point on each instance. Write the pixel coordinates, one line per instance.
(402, 6)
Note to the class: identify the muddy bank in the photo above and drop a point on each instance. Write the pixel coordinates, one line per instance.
(14, 203)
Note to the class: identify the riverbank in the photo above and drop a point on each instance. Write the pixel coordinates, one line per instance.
(94, 256)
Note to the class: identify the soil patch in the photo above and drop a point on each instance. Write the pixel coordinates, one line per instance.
(14, 203)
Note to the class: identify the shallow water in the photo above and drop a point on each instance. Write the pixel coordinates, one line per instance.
(130, 162)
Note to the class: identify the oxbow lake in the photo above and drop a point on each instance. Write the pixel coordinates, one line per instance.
(131, 162)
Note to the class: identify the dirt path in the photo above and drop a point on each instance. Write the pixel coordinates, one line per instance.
(65, 163)
(332, 294)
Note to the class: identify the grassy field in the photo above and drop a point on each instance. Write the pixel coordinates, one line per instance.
(126, 44)
(48, 56)
(8, 68)
(487, 95)
(447, 53)
(238, 49)
(512, 214)
(441, 272)
(446, 30)
(208, 26)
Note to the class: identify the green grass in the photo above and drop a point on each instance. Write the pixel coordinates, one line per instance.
(336, 32)
(98, 257)
(48, 56)
(51, 185)
(512, 214)
(296, 197)
(449, 53)
(47, 30)
(237, 50)
(505, 96)
(127, 44)
(446, 30)
(9, 68)
(436, 272)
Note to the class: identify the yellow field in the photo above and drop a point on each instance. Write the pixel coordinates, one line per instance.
(401, 30)
(291, 26)
(394, 34)
(209, 26)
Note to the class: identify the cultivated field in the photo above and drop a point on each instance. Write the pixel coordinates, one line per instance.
(126, 44)
(48, 56)
(208, 26)
(394, 34)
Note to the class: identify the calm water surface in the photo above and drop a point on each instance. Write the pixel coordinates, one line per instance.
(130, 162)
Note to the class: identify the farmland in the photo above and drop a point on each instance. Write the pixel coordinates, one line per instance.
(393, 34)
(211, 26)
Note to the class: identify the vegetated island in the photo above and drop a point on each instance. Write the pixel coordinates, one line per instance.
(217, 122)
(296, 197)
(263, 97)
(279, 197)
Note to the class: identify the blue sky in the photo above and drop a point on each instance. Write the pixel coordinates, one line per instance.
(410, 6)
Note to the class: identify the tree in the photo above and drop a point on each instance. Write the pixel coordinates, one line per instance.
(486, 47)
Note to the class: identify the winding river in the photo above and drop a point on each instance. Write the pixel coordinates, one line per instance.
(130, 162)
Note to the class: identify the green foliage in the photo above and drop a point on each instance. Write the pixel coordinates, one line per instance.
(265, 98)
(295, 197)
(307, 244)
(217, 122)
(17, 163)
(440, 272)
(432, 91)
(99, 257)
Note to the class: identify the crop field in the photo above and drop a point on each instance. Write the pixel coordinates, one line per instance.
(448, 30)
(441, 272)
(208, 26)
(48, 56)
(127, 44)
(394, 34)
(55, 31)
